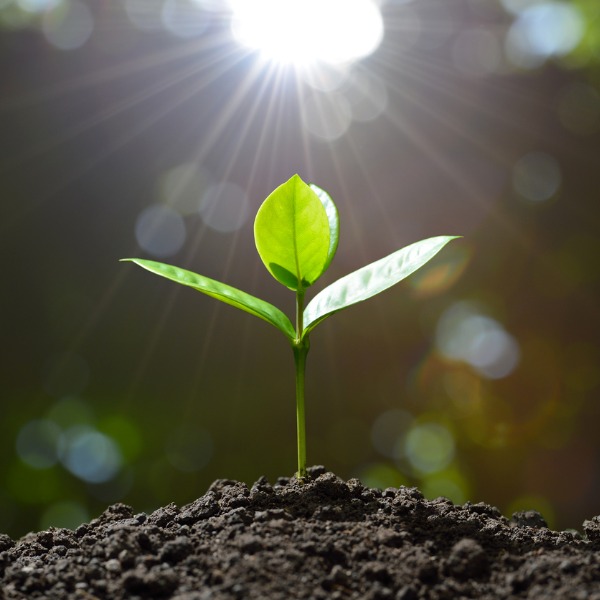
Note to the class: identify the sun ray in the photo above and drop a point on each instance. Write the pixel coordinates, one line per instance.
(204, 73)
(100, 77)
(268, 87)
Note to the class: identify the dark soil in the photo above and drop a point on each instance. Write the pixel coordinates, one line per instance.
(324, 538)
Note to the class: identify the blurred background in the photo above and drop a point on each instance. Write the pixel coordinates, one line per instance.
(155, 128)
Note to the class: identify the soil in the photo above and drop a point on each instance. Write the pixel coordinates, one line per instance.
(321, 538)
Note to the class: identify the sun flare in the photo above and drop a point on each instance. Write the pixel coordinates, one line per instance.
(305, 32)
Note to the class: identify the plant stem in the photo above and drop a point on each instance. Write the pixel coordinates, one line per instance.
(300, 348)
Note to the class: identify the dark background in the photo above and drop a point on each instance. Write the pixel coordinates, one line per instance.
(477, 378)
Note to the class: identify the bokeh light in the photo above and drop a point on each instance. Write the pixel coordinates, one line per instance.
(366, 95)
(543, 30)
(70, 410)
(39, 443)
(388, 431)
(381, 475)
(160, 230)
(35, 6)
(433, 280)
(536, 177)
(183, 186)
(184, 18)
(449, 483)
(69, 25)
(464, 333)
(224, 207)
(68, 437)
(145, 14)
(429, 447)
(125, 433)
(90, 455)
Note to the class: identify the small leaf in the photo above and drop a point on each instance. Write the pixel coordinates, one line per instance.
(334, 222)
(291, 231)
(221, 291)
(371, 280)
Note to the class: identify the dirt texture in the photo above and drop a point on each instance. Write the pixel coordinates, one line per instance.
(321, 538)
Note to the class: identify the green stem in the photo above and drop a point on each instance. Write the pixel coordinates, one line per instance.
(300, 348)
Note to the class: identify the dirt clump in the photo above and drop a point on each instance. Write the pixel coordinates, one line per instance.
(321, 538)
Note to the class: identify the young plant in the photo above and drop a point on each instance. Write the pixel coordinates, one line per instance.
(296, 231)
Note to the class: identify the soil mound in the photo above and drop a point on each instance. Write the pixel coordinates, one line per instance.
(322, 538)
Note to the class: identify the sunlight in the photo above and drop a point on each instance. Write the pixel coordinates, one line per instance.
(305, 32)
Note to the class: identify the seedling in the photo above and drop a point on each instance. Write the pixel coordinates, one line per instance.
(296, 232)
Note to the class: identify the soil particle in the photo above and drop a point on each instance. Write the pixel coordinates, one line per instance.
(318, 538)
(467, 560)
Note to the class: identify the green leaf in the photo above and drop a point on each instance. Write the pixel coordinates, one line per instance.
(334, 222)
(371, 280)
(221, 291)
(291, 231)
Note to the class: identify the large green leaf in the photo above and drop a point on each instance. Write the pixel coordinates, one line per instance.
(291, 231)
(334, 222)
(371, 280)
(221, 291)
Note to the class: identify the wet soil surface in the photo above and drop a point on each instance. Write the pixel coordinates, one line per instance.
(323, 538)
